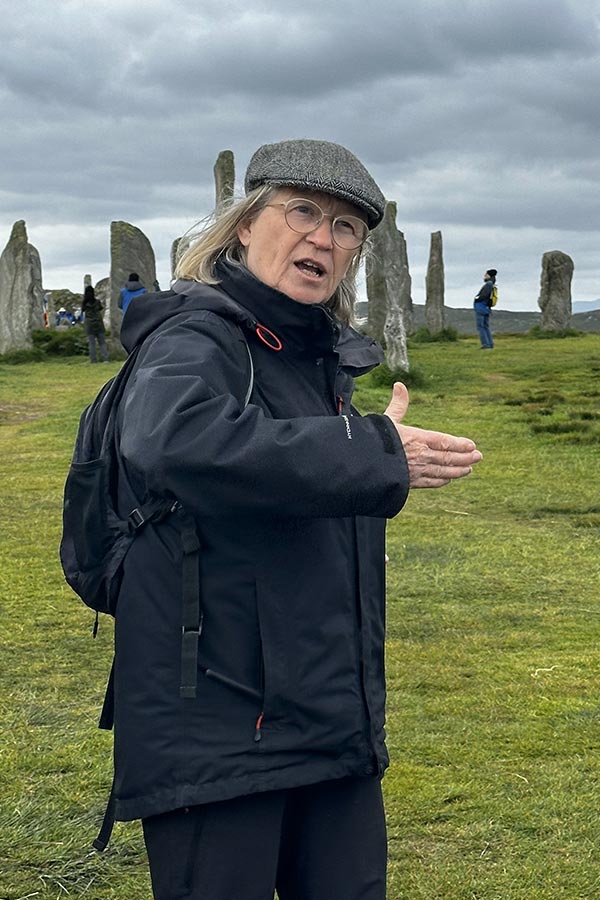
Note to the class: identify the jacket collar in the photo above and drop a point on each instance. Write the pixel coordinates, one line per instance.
(308, 328)
(301, 327)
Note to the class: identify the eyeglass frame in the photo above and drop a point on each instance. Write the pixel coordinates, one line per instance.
(324, 215)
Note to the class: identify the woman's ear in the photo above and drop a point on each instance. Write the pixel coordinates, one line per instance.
(244, 231)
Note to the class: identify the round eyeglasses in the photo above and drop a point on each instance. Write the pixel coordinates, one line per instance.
(304, 216)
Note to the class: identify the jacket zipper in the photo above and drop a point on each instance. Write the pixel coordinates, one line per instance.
(368, 731)
(261, 680)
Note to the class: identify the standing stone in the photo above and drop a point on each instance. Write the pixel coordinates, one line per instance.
(376, 290)
(434, 286)
(388, 276)
(21, 292)
(87, 281)
(102, 292)
(555, 291)
(405, 285)
(178, 248)
(130, 251)
(396, 353)
(224, 172)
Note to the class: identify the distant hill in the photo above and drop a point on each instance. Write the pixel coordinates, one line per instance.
(503, 321)
(585, 306)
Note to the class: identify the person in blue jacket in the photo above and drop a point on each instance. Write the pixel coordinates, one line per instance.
(133, 288)
(267, 775)
(482, 308)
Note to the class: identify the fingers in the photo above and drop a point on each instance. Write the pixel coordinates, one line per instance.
(437, 440)
(398, 405)
(436, 476)
(430, 466)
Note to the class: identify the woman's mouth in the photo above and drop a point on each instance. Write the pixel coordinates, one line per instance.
(310, 268)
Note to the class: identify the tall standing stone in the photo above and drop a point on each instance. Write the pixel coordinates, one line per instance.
(87, 281)
(435, 318)
(224, 172)
(555, 290)
(376, 290)
(102, 292)
(178, 248)
(388, 276)
(396, 352)
(130, 251)
(21, 292)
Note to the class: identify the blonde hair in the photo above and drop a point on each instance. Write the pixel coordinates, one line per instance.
(219, 240)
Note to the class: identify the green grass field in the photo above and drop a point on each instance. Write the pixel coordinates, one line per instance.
(493, 652)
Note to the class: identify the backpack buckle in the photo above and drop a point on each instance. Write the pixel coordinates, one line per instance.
(136, 519)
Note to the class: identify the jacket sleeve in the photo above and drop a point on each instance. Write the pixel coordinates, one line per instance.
(185, 430)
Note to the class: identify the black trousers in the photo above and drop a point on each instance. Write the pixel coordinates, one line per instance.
(325, 841)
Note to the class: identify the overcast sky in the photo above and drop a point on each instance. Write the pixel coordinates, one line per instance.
(480, 118)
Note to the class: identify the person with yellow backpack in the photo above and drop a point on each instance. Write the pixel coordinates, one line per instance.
(483, 303)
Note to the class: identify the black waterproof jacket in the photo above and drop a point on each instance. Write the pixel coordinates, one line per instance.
(289, 495)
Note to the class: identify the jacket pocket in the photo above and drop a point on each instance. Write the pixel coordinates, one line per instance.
(273, 661)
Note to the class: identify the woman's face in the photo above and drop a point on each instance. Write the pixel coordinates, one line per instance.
(306, 267)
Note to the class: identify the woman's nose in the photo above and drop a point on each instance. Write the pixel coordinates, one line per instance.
(322, 235)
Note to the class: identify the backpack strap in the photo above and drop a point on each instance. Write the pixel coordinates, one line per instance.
(108, 822)
(107, 716)
(154, 510)
(191, 609)
(192, 615)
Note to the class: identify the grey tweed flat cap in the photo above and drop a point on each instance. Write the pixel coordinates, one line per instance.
(318, 166)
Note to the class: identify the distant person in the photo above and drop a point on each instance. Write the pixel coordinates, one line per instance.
(64, 318)
(482, 306)
(94, 326)
(45, 310)
(132, 289)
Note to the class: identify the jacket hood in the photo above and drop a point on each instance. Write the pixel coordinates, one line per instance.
(134, 286)
(145, 315)
(359, 354)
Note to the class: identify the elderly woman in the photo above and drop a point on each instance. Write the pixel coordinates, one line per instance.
(249, 724)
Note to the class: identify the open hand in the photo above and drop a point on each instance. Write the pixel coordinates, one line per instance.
(434, 458)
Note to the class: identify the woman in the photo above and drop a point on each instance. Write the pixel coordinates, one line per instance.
(265, 772)
(94, 326)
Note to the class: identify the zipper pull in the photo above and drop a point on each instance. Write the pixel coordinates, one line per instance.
(340, 404)
(257, 731)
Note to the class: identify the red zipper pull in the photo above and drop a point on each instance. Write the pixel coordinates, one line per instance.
(257, 732)
(268, 337)
(340, 404)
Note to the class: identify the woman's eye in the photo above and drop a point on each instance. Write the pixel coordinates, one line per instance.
(305, 210)
(346, 226)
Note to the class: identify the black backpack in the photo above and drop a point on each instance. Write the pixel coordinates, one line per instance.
(95, 539)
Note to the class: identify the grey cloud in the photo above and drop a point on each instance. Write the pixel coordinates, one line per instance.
(472, 114)
(318, 49)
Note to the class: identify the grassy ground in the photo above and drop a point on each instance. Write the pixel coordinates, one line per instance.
(494, 619)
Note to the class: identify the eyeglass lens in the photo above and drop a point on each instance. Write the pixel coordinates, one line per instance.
(303, 216)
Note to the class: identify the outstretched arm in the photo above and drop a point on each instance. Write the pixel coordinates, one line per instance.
(434, 458)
